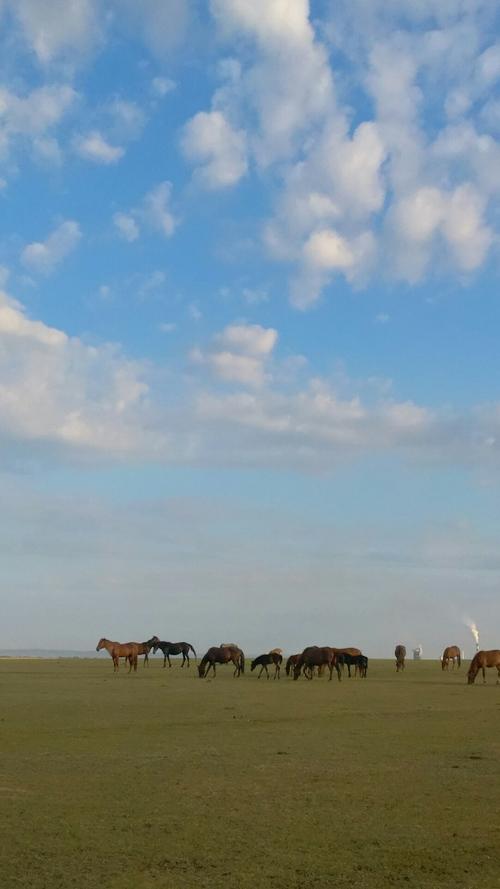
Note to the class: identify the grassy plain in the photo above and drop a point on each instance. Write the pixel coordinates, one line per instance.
(161, 779)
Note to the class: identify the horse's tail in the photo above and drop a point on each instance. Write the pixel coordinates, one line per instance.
(192, 649)
(459, 659)
(242, 661)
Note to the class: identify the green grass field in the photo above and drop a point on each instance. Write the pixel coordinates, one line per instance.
(162, 779)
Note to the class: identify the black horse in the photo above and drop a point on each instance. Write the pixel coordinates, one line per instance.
(358, 661)
(265, 660)
(169, 648)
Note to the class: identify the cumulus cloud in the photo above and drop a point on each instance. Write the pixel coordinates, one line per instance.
(57, 27)
(127, 226)
(342, 183)
(43, 256)
(30, 118)
(57, 390)
(156, 209)
(239, 354)
(218, 150)
(154, 212)
(94, 147)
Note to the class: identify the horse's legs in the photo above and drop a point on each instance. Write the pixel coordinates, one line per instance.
(164, 660)
(484, 675)
(146, 660)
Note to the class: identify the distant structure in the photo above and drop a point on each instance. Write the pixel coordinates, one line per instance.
(417, 653)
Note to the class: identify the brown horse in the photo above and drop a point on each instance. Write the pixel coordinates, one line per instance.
(314, 656)
(290, 664)
(222, 655)
(451, 653)
(345, 662)
(265, 660)
(144, 648)
(400, 655)
(128, 650)
(480, 661)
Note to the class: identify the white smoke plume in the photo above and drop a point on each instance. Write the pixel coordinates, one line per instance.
(474, 630)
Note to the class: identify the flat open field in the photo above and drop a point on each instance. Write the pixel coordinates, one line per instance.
(162, 779)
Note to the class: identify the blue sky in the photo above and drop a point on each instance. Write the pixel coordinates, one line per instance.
(249, 321)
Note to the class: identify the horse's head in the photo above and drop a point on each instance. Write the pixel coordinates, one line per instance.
(201, 670)
(296, 671)
(101, 643)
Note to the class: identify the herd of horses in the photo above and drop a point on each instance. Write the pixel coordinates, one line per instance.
(313, 659)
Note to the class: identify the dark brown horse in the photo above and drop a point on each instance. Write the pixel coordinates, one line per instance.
(314, 656)
(219, 654)
(128, 650)
(346, 661)
(453, 654)
(290, 664)
(173, 648)
(265, 660)
(358, 661)
(481, 661)
(400, 655)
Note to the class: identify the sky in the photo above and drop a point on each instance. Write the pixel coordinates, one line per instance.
(249, 316)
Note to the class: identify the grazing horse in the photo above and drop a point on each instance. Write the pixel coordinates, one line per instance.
(264, 660)
(169, 648)
(312, 657)
(290, 664)
(400, 654)
(480, 661)
(453, 654)
(347, 662)
(358, 661)
(128, 650)
(221, 655)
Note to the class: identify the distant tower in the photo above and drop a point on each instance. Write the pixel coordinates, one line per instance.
(417, 653)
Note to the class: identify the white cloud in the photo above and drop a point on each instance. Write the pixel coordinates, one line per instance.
(156, 209)
(154, 212)
(127, 226)
(249, 338)
(29, 119)
(43, 256)
(57, 390)
(216, 148)
(239, 354)
(162, 24)
(57, 27)
(94, 147)
(161, 86)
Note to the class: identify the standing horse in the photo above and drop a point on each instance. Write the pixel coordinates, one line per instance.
(144, 648)
(400, 655)
(312, 657)
(128, 650)
(453, 654)
(234, 647)
(480, 661)
(264, 660)
(169, 648)
(221, 655)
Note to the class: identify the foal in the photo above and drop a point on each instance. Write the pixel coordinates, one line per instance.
(265, 660)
